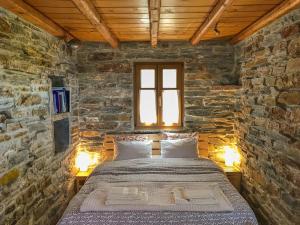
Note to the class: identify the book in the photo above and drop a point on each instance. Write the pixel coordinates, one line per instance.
(61, 100)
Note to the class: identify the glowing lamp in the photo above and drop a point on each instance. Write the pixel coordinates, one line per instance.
(231, 156)
(83, 161)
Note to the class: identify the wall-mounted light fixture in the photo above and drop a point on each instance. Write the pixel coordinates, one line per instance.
(83, 161)
(74, 44)
(86, 160)
(231, 156)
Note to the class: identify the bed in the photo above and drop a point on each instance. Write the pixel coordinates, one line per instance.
(169, 171)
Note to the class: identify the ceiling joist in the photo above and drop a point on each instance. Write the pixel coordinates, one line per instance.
(154, 14)
(212, 18)
(277, 12)
(88, 9)
(32, 15)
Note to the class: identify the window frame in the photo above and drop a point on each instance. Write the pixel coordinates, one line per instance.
(158, 67)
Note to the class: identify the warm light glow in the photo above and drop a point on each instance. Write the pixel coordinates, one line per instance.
(170, 107)
(83, 161)
(95, 157)
(231, 156)
(148, 107)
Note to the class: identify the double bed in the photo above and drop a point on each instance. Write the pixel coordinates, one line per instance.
(185, 171)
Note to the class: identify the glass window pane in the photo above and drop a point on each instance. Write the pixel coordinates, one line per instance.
(170, 107)
(169, 78)
(147, 78)
(148, 107)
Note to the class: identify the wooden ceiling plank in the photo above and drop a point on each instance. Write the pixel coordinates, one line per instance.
(135, 10)
(120, 3)
(189, 3)
(154, 14)
(195, 9)
(67, 20)
(125, 16)
(61, 10)
(272, 15)
(31, 14)
(130, 25)
(50, 3)
(88, 9)
(66, 16)
(182, 15)
(212, 18)
(250, 8)
(128, 21)
(69, 26)
(238, 19)
(257, 2)
(228, 14)
(185, 21)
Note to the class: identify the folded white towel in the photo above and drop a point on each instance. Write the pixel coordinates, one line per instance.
(192, 196)
(126, 196)
(124, 190)
(161, 196)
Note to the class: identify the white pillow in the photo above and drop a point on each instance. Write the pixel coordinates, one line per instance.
(132, 150)
(180, 148)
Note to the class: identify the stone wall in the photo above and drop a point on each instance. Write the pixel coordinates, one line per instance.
(268, 127)
(35, 183)
(106, 87)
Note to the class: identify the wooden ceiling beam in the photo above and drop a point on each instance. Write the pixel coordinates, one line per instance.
(154, 14)
(34, 16)
(268, 18)
(212, 18)
(90, 12)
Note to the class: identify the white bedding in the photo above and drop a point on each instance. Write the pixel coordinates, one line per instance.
(187, 171)
(158, 196)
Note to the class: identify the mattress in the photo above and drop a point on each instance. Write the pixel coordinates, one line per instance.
(189, 171)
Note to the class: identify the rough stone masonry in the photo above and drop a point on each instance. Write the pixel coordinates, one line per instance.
(106, 88)
(268, 125)
(35, 183)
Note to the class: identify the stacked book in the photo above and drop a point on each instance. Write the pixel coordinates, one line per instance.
(61, 100)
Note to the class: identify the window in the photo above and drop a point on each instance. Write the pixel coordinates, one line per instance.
(158, 95)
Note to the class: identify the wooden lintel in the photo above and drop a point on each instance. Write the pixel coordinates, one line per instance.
(212, 18)
(34, 16)
(154, 14)
(268, 18)
(89, 11)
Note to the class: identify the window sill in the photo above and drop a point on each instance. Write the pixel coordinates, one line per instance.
(159, 129)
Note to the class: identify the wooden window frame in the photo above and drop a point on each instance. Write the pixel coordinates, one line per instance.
(158, 67)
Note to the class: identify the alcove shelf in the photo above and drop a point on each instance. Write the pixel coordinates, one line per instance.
(60, 111)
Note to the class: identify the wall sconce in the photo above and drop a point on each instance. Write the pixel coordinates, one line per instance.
(74, 44)
(231, 156)
(85, 160)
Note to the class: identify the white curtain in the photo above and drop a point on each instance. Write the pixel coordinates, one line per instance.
(148, 106)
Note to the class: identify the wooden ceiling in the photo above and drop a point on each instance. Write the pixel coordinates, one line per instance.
(150, 20)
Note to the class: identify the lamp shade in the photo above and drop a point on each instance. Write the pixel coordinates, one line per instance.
(231, 156)
(83, 161)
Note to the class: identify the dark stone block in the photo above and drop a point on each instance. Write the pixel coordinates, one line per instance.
(100, 56)
(290, 30)
(61, 135)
